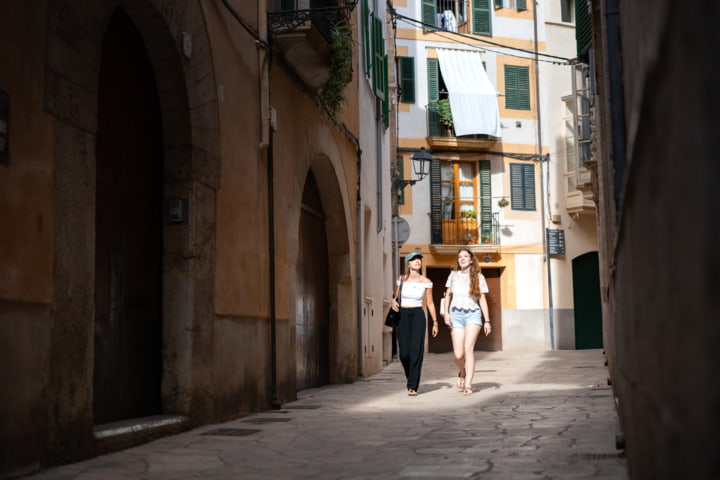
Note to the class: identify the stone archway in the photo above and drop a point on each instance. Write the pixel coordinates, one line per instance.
(190, 153)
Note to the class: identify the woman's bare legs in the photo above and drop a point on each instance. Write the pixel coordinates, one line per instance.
(470, 336)
(458, 341)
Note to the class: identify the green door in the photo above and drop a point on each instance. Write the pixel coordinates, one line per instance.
(586, 296)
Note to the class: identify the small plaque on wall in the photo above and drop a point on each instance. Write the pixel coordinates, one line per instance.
(556, 241)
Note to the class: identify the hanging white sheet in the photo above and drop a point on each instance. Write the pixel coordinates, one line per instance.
(473, 99)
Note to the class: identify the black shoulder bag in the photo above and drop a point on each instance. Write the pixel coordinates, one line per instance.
(393, 318)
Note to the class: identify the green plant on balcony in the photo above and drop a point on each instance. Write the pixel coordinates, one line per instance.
(445, 112)
(468, 214)
(341, 46)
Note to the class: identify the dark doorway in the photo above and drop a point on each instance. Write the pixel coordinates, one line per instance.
(128, 262)
(312, 324)
(443, 342)
(586, 298)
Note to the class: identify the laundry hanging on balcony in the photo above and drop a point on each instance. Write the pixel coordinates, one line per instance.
(473, 99)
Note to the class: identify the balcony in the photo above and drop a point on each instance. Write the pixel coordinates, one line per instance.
(441, 135)
(479, 236)
(302, 36)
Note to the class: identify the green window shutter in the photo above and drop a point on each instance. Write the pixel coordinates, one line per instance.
(499, 3)
(367, 24)
(386, 100)
(517, 87)
(485, 199)
(521, 5)
(379, 71)
(583, 30)
(522, 186)
(407, 79)
(481, 17)
(433, 96)
(429, 13)
(400, 168)
(435, 202)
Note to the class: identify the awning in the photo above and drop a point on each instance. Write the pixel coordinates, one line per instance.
(473, 99)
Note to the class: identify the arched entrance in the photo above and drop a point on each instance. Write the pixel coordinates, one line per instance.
(312, 314)
(128, 240)
(586, 298)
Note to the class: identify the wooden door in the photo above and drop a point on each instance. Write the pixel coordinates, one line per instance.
(443, 342)
(312, 323)
(128, 249)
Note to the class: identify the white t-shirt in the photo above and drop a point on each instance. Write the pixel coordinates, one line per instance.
(459, 285)
(412, 293)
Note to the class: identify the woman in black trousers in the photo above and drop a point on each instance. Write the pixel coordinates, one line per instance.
(411, 288)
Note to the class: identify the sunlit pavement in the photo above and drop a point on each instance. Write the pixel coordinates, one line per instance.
(541, 415)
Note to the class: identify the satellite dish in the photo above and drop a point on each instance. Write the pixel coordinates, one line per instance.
(401, 230)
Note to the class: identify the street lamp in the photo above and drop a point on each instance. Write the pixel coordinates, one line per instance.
(421, 165)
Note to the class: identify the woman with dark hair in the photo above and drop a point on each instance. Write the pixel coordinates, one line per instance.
(411, 288)
(465, 309)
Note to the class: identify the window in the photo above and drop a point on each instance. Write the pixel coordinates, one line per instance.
(517, 87)
(444, 14)
(461, 210)
(567, 11)
(481, 17)
(519, 4)
(376, 60)
(522, 186)
(406, 72)
(581, 87)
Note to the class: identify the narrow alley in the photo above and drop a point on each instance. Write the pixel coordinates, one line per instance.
(539, 415)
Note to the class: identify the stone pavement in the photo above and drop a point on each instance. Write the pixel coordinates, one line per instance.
(540, 415)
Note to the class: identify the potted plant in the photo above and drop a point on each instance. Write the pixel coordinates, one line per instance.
(468, 214)
(445, 114)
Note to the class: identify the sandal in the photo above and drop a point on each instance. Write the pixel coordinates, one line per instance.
(468, 391)
(460, 380)
(412, 393)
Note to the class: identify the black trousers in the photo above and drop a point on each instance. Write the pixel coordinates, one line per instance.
(411, 343)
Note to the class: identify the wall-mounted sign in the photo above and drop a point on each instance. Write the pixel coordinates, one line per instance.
(555, 241)
(401, 230)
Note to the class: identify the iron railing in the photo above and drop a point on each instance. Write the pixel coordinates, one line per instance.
(471, 231)
(322, 13)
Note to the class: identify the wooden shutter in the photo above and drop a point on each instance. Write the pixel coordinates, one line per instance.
(379, 74)
(435, 202)
(522, 186)
(429, 14)
(367, 24)
(481, 17)
(433, 96)
(386, 100)
(521, 5)
(517, 87)
(583, 30)
(485, 199)
(407, 79)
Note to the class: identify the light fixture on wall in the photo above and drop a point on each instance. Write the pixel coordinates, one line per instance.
(421, 166)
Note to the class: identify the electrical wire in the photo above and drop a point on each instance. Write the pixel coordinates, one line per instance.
(412, 21)
(245, 25)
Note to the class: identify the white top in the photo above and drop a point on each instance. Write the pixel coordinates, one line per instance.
(412, 293)
(459, 285)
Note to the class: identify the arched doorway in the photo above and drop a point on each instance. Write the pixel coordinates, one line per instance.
(312, 313)
(128, 242)
(586, 298)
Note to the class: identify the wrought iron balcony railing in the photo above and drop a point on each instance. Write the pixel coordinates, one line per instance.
(322, 13)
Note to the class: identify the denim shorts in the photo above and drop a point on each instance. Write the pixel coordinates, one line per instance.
(460, 318)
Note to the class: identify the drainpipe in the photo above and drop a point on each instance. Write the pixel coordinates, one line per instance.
(358, 266)
(542, 182)
(266, 150)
